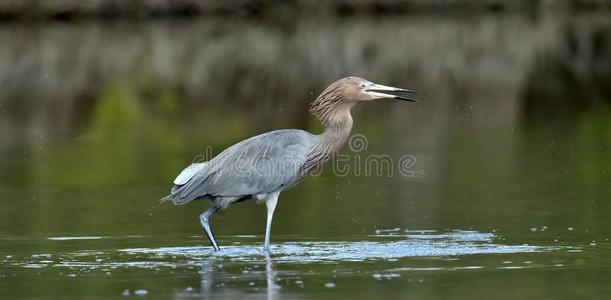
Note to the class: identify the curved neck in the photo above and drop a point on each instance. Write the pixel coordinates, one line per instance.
(338, 126)
(337, 130)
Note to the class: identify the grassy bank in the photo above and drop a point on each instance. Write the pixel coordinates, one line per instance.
(108, 9)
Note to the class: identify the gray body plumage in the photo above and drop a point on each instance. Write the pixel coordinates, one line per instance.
(252, 168)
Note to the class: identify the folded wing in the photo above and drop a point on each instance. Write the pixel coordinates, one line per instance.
(258, 165)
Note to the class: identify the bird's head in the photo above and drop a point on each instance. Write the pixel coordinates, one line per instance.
(359, 89)
(348, 91)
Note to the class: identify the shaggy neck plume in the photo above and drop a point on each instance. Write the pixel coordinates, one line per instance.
(334, 113)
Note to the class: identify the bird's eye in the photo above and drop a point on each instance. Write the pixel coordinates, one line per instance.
(362, 85)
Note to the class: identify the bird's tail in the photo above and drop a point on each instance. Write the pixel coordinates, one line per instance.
(161, 201)
(175, 200)
(164, 199)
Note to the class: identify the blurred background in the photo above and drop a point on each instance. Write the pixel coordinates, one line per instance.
(103, 102)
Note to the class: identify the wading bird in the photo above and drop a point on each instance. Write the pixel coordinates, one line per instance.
(263, 166)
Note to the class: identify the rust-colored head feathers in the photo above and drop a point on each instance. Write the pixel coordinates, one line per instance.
(341, 95)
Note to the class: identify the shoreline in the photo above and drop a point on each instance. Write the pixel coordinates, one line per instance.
(69, 10)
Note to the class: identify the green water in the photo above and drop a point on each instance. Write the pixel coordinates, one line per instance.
(505, 197)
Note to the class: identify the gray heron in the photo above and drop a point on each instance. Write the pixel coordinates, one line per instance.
(263, 166)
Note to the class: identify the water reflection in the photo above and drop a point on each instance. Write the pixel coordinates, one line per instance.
(272, 287)
(214, 283)
(243, 270)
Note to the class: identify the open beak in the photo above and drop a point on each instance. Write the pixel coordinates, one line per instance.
(377, 89)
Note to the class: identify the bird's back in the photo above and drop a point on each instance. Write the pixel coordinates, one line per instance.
(256, 166)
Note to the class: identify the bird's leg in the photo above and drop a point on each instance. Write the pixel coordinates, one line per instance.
(271, 206)
(203, 218)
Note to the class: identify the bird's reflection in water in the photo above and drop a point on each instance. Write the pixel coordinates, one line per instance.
(272, 287)
(206, 271)
(217, 282)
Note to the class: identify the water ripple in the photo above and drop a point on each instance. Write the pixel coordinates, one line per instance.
(454, 243)
(390, 244)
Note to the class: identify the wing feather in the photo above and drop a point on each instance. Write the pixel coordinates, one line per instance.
(258, 165)
(188, 173)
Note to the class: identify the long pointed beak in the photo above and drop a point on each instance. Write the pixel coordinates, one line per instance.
(376, 89)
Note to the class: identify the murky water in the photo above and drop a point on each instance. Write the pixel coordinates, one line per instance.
(505, 193)
(413, 259)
